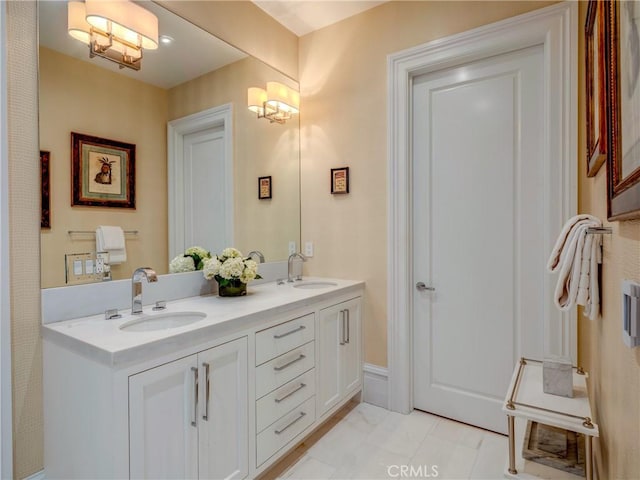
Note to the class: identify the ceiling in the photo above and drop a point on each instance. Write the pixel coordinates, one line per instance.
(305, 16)
(194, 52)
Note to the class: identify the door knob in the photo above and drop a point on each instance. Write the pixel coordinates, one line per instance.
(422, 287)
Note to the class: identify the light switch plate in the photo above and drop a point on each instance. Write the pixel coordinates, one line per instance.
(292, 247)
(308, 249)
(631, 313)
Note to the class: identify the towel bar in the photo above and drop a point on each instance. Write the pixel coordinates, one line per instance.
(600, 230)
(90, 232)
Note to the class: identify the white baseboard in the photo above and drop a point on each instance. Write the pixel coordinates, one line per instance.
(36, 476)
(376, 385)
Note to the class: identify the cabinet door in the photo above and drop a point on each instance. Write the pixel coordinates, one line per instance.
(162, 408)
(223, 412)
(329, 338)
(351, 351)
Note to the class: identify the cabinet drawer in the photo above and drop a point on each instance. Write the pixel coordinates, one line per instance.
(279, 433)
(284, 368)
(272, 406)
(277, 340)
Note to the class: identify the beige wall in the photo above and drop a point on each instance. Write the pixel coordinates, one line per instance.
(77, 96)
(343, 78)
(614, 369)
(245, 26)
(260, 149)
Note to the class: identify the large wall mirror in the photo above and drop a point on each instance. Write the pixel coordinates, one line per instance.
(194, 73)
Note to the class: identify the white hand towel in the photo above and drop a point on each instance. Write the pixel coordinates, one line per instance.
(111, 239)
(576, 256)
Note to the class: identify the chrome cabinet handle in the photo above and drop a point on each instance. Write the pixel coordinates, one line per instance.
(195, 396)
(301, 327)
(300, 417)
(282, 367)
(422, 287)
(348, 313)
(297, 389)
(342, 325)
(207, 393)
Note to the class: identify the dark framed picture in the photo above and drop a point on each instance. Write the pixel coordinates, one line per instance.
(45, 212)
(264, 188)
(340, 180)
(623, 79)
(102, 172)
(596, 108)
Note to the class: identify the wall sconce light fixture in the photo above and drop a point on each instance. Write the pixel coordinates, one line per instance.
(115, 30)
(277, 103)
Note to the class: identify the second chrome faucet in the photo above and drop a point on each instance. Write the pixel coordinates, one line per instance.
(292, 257)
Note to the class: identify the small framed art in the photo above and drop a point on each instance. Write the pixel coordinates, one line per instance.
(264, 188)
(340, 180)
(102, 172)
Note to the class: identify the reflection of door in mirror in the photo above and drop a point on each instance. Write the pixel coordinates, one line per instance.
(92, 97)
(201, 181)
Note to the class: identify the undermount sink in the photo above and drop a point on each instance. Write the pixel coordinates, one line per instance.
(162, 321)
(314, 285)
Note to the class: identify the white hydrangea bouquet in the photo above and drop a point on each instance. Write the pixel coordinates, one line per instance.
(232, 271)
(191, 260)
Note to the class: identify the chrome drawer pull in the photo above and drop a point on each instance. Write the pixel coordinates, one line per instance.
(206, 405)
(298, 388)
(195, 396)
(301, 357)
(343, 338)
(348, 314)
(282, 335)
(300, 417)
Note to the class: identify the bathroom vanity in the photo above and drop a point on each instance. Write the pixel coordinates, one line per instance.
(220, 396)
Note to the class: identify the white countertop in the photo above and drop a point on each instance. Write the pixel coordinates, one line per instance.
(103, 341)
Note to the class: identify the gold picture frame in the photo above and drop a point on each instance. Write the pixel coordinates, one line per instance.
(596, 108)
(623, 119)
(102, 172)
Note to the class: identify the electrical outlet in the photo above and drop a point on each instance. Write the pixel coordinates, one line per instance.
(292, 247)
(308, 249)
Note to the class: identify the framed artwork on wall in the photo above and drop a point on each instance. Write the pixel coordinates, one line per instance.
(45, 212)
(264, 188)
(623, 79)
(596, 98)
(102, 172)
(340, 180)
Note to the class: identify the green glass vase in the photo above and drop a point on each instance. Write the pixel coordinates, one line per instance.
(236, 289)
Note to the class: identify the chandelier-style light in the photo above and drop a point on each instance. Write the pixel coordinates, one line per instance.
(116, 30)
(277, 103)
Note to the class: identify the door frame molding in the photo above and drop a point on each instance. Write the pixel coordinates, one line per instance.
(556, 29)
(221, 116)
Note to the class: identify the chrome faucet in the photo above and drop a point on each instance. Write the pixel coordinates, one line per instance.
(136, 286)
(292, 257)
(259, 254)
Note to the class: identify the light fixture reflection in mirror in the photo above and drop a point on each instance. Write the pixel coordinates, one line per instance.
(117, 31)
(277, 103)
(94, 97)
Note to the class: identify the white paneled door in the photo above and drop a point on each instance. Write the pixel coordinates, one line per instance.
(205, 192)
(478, 242)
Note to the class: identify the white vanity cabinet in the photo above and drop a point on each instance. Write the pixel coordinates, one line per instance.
(340, 358)
(225, 398)
(188, 418)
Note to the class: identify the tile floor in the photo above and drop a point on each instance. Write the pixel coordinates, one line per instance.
(369, 442)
